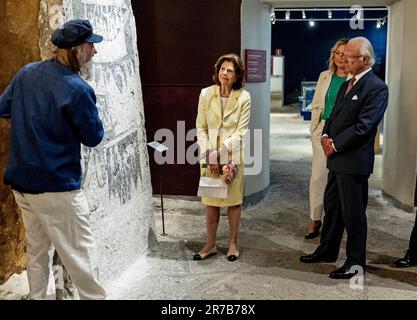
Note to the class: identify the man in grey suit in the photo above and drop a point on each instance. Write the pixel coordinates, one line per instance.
(348, 142)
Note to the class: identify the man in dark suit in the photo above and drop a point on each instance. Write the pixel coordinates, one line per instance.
(348, 142)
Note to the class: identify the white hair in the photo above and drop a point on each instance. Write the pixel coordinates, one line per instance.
(365, 49)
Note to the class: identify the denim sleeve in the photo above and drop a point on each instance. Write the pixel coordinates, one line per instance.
(6, 102)
(84, 116)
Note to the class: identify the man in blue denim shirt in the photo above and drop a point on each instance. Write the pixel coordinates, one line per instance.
(52, 111)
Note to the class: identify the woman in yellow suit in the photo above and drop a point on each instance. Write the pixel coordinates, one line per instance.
(222, 121)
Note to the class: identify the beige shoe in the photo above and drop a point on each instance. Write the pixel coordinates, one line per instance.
(204, 255)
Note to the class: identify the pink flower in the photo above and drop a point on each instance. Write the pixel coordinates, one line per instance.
(228, 172)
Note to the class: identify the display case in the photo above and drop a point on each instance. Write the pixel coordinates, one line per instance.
(308, 88)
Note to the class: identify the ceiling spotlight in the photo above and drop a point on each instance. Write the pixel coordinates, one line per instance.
(273, 18)
(312, 23)
(383, 21)
(330, 14)
(287, 15)
(304, 14)
(378, 23)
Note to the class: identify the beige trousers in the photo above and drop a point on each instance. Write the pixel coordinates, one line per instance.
(319, 173)
(61, 219)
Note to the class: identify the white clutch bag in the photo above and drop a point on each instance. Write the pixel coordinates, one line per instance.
(212, 188)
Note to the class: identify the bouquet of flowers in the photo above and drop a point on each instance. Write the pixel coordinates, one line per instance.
(229, 171)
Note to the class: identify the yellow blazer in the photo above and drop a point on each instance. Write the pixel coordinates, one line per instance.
(230, 126)
(317, 105)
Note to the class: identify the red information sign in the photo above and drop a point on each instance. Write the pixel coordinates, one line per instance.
(255, 65)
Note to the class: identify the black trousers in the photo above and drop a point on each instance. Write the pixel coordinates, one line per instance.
(345, 202)
(413, 240)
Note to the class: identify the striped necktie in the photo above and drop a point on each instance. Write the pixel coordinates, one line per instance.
(351, 83)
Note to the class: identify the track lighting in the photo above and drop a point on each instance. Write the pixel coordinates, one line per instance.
(314, 15)
(287, 15)
(273, 16)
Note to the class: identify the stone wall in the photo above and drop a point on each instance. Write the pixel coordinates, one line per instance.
(19, 45)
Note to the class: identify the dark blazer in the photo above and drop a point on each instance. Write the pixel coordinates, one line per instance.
(353, 125)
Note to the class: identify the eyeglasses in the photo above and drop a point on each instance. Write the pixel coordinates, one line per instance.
(353, 57)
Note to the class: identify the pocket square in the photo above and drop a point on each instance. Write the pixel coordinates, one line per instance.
(355, 97)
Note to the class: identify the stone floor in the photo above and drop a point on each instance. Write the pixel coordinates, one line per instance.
(271, 241)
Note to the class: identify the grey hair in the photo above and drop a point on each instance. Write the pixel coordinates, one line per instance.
(366, 49)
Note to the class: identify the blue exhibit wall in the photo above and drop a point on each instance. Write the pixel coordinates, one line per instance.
(306, 49)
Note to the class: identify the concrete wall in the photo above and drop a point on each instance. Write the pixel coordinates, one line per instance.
(19, 45)
(256, 34)
(400, 133)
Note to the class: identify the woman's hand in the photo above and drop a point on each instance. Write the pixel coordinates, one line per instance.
(214, 168)
(212, 159)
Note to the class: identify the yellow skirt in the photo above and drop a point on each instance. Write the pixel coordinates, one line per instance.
(234, 190)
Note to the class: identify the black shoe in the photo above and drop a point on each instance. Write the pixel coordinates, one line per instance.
(315, 257)
(409, 260)
(315, 233)
(204, 255)
(311, 235)
(343, 273)
(233, 256)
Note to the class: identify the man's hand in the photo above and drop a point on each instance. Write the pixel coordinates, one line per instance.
(326, 143)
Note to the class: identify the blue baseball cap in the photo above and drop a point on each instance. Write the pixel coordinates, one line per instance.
(74, 33)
